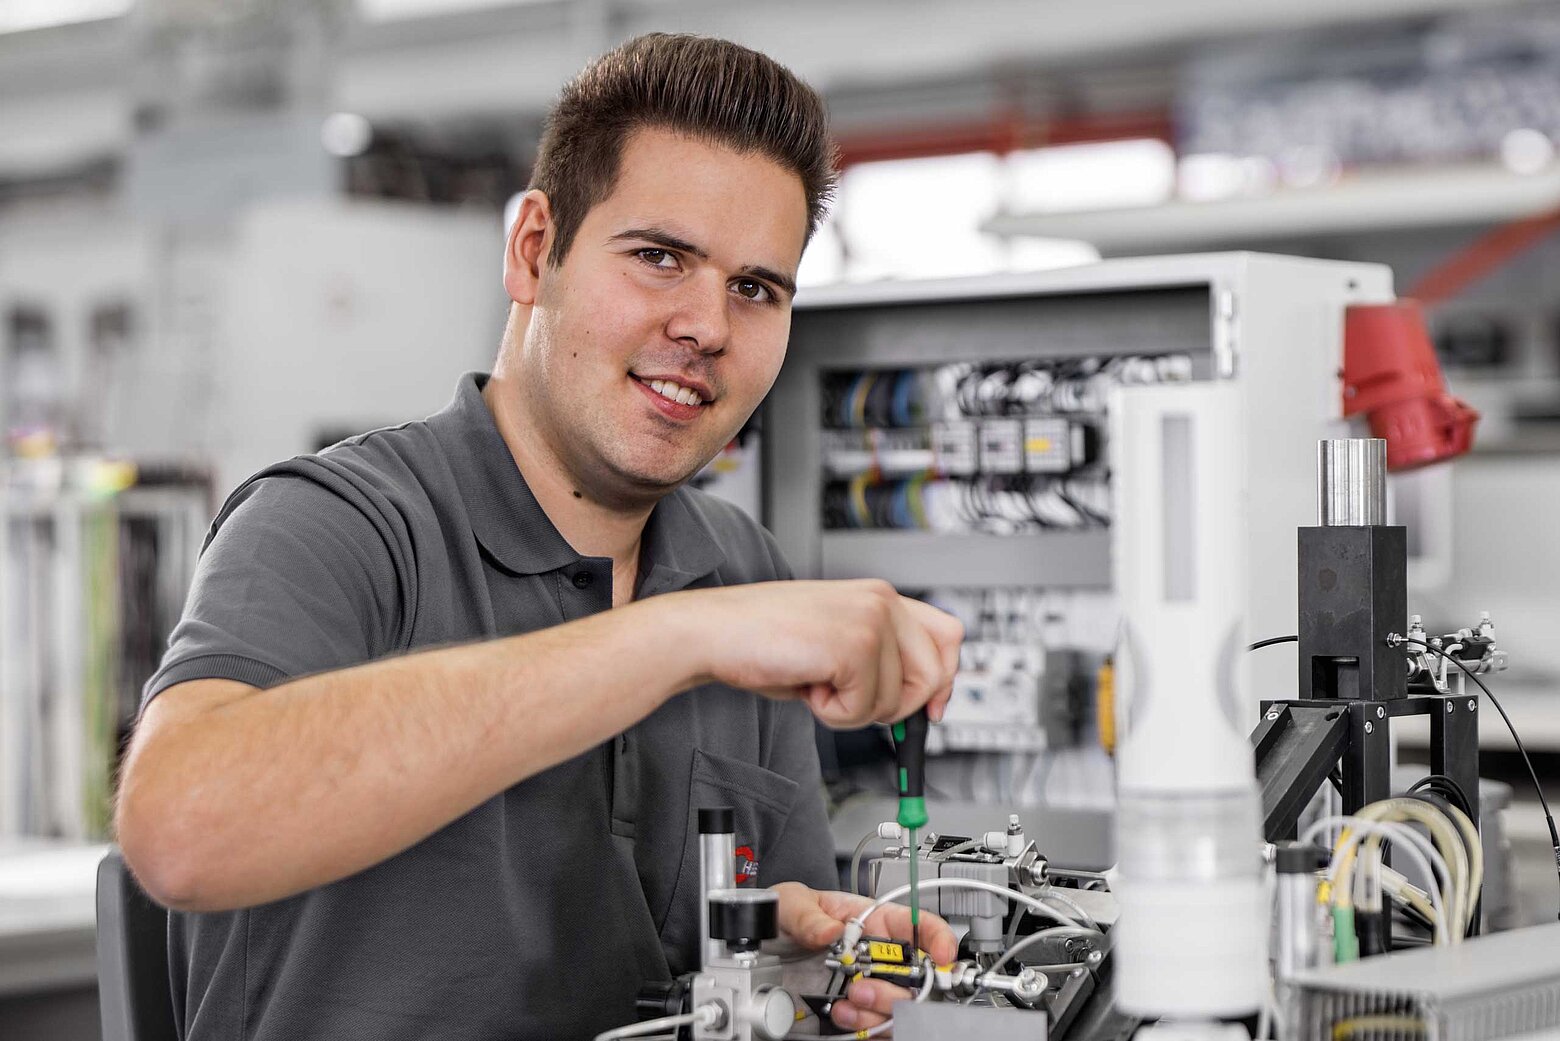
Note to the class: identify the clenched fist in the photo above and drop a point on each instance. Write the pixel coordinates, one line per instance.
(855, 651)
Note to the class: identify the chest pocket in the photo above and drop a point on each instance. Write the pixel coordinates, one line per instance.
(761, 802)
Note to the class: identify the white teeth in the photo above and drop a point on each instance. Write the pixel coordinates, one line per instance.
(676, 392)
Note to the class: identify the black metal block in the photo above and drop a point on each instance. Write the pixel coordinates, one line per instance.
(1353, 594)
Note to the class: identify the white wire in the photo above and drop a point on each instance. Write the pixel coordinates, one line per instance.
(1419, 846)
(651, 1026)
(1414, 844)
(1450, 882)
(1072, 905)
(1447, 832)
(886, 1025)
(1036, 937)
(929, 977)
(1033, 903)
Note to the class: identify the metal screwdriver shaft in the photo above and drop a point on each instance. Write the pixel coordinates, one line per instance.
(910, 755)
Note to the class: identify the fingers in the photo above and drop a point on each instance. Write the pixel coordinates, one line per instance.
(937, 937)
(891, 655)
(946, 631)
(805, 918)
(922, 672)
(947, 635)
(867, 1003)
(851, 700)
(891, 675)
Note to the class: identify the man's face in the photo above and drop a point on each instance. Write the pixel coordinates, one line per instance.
(667, 322)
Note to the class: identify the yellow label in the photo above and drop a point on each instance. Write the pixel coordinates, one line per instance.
(891, 970)
(877, 950)
(1038, 444)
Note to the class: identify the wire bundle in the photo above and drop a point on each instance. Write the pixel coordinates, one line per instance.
(877, 398)
(1452, 858)
(994, 505)
(895, 398)
(1047, 386)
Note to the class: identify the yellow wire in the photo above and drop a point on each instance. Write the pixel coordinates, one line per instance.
(1344, 1028)
(858, 499)
(858, 405)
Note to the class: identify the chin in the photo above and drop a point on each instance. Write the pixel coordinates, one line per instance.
(655, 478)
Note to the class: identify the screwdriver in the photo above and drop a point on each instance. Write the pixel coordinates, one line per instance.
(910, 755)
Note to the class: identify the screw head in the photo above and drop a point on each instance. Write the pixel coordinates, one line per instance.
(1450, 707)
(1273, 714)
(1381, 712)
(1370, 727)
(1472, 704)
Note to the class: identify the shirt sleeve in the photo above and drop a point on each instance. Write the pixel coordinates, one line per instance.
(294, 580)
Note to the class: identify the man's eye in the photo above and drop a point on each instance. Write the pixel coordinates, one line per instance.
(753, 290)
(657, 258)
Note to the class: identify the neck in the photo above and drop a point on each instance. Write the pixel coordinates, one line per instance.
(592, 527)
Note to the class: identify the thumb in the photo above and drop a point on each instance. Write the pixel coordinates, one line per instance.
(813, 928)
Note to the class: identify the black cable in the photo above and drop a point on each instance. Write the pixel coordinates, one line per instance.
(1554, 834)
(1270, 641)
(1449, 788)
(1413, 914)
(1445, 794)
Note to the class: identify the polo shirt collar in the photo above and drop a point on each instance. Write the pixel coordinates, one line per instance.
(679, 546)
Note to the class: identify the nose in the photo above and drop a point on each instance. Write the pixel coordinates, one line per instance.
(700, 318)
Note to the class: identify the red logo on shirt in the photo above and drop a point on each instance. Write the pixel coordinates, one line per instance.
(747, 864)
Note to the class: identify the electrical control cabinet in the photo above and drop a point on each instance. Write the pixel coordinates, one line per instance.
(951, 437)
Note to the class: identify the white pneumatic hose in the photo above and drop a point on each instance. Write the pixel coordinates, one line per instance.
(704, 1015)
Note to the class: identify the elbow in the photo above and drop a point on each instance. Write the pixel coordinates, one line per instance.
(157, 848)
(162, 866)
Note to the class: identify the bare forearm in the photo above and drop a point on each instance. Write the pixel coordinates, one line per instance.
(268, 794)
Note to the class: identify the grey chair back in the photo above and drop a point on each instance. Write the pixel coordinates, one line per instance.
(132, 958)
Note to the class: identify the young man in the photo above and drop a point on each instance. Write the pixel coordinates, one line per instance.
(491, 837)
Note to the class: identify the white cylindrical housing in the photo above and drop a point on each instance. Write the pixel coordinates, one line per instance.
(1192, 940)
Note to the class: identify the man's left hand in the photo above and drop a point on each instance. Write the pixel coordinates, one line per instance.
(815, 919)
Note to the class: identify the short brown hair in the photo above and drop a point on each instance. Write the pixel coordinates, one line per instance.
(710, 89)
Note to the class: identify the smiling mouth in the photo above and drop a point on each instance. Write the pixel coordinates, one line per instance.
(672, 391)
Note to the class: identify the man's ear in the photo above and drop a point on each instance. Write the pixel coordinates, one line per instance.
(525, 255)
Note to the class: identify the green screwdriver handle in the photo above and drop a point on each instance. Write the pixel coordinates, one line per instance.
(910, 754)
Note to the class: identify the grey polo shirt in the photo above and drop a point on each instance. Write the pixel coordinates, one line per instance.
(539, 913)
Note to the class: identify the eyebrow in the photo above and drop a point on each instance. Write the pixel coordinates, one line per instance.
(670, 241)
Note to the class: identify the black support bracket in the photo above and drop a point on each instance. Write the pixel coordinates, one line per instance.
(1298, 743)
